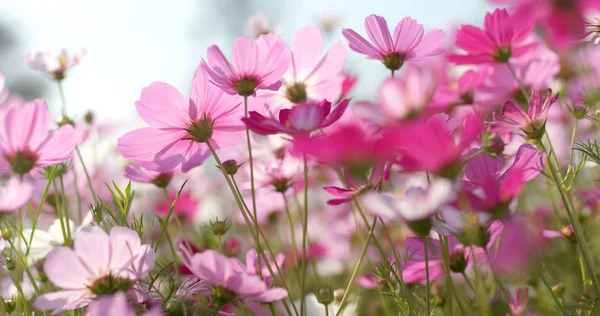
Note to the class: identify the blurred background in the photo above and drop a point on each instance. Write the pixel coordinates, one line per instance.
(132, 43)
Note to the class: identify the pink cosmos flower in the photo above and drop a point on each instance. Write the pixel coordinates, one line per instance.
(100, 264)
(279, 174)
(564, 232)
(312, 75)
(513, 257)
(407, 96)
(462, 92)
(502, 37)
(348, 145)
(258, 24)
(180, 128)
(54, 65)
(300, 120)
(531, 123)
(490, 187)
(416, 204)
(252, 265)
(518, 301)
(15, 193)
(228, 283)
(436, 144)
(187, 206)
(379, 173)
(27, 142)
(115, 304)
(257, 65)
(143, 175)
(407, 44)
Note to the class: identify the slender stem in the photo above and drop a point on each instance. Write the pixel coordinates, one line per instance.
(468, 282)
(292, 230)
(252, 190)
(567, 201)
(255, 234)
(427, 285)
(87, 175)
(464, 162)
(220, 243)
(39, 209)
(77, 194)
(168, 218)
(357, 268)
(521, 86)
(26, 268)
(59, 215)
(65, 208)
(304, 238)
(63, 100)
(573, 137)
(326, 309)
(553, 295)
(449, 281)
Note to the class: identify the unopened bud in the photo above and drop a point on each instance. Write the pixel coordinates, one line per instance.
(89, 117)
(231, 166)
(9, 306)
(9, 264)
(325, 295)
(493, 144)
(7, 233)
(218, 227)
(421, 228)
(579, 111)
(559, 289)
(458, 261)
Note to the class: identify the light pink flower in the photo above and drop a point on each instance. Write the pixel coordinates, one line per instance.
(97, 260)
(466, 90)
(4, 91)
(300, 120)
(518, 301)
(533, 122)
(279, 174)
(115, 304)
(258, 24)
(501, 38)
(15, 193)
(252, 265)
(407, 44)
(143, 175)
(564, 232)
(179, 128)
(407, 96)
(229, 282)
(27, 141)
(52, 64)
(313, 75)
(256, 65)
(512, 256)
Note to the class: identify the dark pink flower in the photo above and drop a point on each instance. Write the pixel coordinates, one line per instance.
(187, 206)
(501, 38)
(301, 119)
(256, 65)
(532, 123)
(407, 44)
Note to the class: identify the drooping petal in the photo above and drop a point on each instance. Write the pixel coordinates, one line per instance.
(359, 44)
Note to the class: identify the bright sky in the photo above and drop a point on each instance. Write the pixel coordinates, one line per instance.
(132, 43)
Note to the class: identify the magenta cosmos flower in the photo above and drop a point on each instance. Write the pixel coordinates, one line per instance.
(54, 65)
(100, 264)
(407, 44)
(179, 129)
(532, 123)
(302, 119)
(27, 141)
(312, 76)
(256, 65)
(502, 37)
(228, 282)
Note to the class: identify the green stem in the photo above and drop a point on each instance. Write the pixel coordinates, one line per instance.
(168, 218)
(449, 281)
(63, 100)
(87, 175)
(573, 137)
(39, 209)
(521, 86)
(468, 282)
(553, 295)
(252, 190)
(255, 234)
(567, 201)
(65, 208)
(357, 268)
(304, 238)
(464, 162)
(427, 285)
(292, 230)
(59, 215)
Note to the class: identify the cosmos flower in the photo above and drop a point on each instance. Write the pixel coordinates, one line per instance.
(56, 66)
(409, 43)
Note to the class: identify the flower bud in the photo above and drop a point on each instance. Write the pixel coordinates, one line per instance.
(7, 233)
(89, 117)
(437, 292)
(579, 111)
(421, 228)
(66, 120)
(219, 228)
(338, 294)
(9, 264)
(162, 180)
(325, 295)
(96, 212)
(458, 261)
(493, 144)
(231, 166)
(559, 289)
(9, 306)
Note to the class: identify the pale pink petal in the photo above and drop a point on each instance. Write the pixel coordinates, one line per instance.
(245, 56)
(407, 35)
(92, 247)
(113, 305)
(15, 193)
(360, 45)
(379, 33)
(432, 44)
(307, 50)
(146, 144)
(162, 106)
(58, 147)
(65, 270)
(27, 127)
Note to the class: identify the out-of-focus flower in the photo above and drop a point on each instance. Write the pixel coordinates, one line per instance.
(311, 76)
(501, 38)
(379, 173)
(252, 265)
(258, 24)
(313, 307)
(279, 174)
(435, 144)
(100, 264)
(256, 65)
(15, 193)
(187, 206)
(54, 65)
(463, 92)
(179, 129)
(564, 232)
(513, 256)
(228, 284)
(143, 175)
(115, 304)
(300, 120)
(532, 123)
(408, 96)
(407, 44)
(592, 27)
(518, 301)
(27, 142)
(348, 84)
